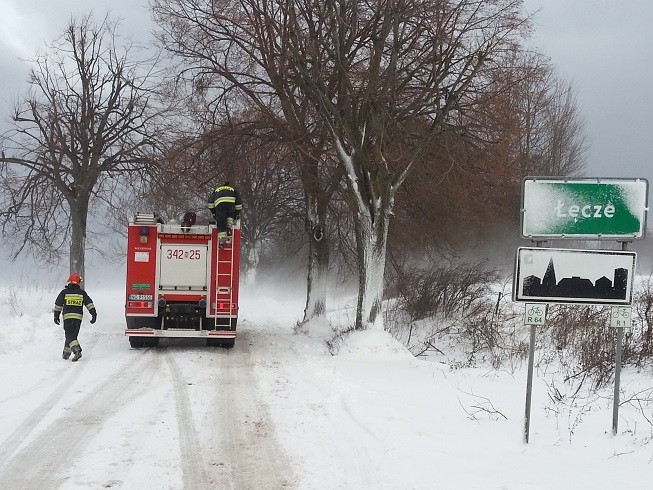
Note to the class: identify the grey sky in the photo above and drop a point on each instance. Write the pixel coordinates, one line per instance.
(26, 25)
(602, 46)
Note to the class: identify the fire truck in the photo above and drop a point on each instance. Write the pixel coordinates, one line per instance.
(181, 283)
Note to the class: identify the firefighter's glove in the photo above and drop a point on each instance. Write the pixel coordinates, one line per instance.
(56, 319)
(93, 317)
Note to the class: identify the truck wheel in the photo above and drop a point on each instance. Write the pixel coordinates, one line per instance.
(136, 342)
(213, 342)
(228, 343)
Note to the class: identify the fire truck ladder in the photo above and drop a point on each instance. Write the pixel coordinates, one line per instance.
(224, 291)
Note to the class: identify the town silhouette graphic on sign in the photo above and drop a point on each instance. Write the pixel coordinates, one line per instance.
(575, 286)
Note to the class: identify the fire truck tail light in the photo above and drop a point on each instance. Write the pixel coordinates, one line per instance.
(139, 304)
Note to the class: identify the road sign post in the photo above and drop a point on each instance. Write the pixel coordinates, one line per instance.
(534, 315)
(620, 318)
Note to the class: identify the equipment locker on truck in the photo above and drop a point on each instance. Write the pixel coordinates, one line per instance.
(180, 283)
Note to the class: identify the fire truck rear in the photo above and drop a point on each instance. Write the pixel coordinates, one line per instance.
(180, 283)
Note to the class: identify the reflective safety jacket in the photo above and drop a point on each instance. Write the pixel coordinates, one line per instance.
(225, 194)
(71, 301)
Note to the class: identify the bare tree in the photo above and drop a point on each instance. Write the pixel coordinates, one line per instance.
(237, 58)
(85, 121)
(367, 71)
(549, 132)
(464, 192)
(395, 63)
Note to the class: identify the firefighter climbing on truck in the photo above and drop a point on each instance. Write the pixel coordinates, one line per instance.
(225, 205)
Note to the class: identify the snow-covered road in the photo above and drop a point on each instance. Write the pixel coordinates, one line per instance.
(278, 411)
(183, 415)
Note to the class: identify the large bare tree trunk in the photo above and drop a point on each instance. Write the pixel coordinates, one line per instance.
(372, 232)
(78, 218)
(253, 258)
(318, 267)
(371, 215)
(316, 196)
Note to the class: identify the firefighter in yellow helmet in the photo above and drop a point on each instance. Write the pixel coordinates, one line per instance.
(225, 204)
(71, 301)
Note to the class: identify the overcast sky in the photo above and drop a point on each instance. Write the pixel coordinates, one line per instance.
(602, 46)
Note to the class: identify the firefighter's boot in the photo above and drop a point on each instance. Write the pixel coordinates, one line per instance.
(66, 352)
(222, 239)
(76, 349)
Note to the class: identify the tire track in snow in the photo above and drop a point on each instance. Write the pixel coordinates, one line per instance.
(224, 434)
(194, 472)
(23, 431)
(325, 413)
(42, 462)
(244, 441)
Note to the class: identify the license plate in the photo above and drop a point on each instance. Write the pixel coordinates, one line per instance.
(140, 297)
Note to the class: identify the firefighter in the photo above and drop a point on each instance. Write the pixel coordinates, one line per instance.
(225, 204)
(71, 301)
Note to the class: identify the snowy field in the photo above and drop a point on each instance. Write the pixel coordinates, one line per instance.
(280, 411)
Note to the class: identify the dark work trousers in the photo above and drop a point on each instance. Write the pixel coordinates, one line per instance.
(222, 212)
(71, 328)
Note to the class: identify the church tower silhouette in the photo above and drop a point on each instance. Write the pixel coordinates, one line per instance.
(549, 279)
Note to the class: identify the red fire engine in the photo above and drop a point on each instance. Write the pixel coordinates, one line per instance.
(180, 283)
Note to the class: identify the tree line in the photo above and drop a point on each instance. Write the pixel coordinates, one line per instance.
(384, 130)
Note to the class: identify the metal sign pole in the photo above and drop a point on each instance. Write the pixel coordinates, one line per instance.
(529, 385)
(617, 370)
(617, 379)
(534, 315)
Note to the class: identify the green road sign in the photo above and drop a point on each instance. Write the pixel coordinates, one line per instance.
(584, 208)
